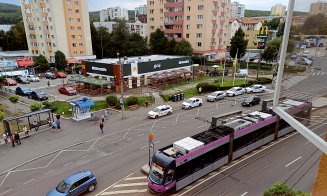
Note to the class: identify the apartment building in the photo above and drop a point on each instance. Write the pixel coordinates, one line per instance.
(237, 10)
(135, 27)
(113, 13)
(53, 25)
(234, 25)
(278, 10)
(140, 10)
(318, 8)
(251, 28)
(203, 23)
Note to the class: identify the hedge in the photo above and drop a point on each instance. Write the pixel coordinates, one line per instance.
(111, 100)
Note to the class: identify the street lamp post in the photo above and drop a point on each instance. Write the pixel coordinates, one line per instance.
(102, 46)
(121, 87)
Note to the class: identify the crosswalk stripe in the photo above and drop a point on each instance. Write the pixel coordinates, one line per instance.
(131, 184)
(125, 192)
(318, 73)
(136, 178)
(314, 73)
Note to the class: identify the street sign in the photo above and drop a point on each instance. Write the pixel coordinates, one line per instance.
(302, 37)
(151, 138)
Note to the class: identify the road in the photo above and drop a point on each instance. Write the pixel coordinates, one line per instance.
(122, 150)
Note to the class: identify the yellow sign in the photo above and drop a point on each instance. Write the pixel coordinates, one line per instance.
(263, 30)
(157, 166)
(302, 37)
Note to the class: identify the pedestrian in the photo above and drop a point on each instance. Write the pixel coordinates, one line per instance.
(17, 138)
(58, 116)
(102, 118)
(101, 127)
(5, 137)
(58, 126)
(26, 131)
(200, 90)
(48, 84)
(53, 125)
(12, 140)
(106, 115)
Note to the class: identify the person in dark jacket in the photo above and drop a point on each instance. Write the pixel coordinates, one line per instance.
(17, 138)
(11, 137)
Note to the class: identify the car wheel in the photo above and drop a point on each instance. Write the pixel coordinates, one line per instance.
(250, 104)
(156, 116)
(251, 91)
(233, 95)
(169, 113)
(200, 104)
(91, 188)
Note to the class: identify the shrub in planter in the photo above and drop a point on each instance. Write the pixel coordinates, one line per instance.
(117, 106)
(111, 100)
(263, 80)
(131, 100)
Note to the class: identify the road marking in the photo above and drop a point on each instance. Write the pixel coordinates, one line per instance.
(244, 194)
(217, 106)
(5, 192)
(177, 117)
(318, 73)
(68, 163)
(148, 145)
(84, 156)
(201, 126)
(153, 125)
(50, 171)
(184, 121)
(197, 114)
(126, 134)
(137, 178)
(29, 181)
(174, 124)
(290, 163)
(140, 135)
(125, 192)
(131, 184)
(114, 184)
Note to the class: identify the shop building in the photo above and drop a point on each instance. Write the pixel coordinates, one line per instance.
(135, 70)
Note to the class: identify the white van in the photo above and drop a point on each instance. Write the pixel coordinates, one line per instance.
(242, 73)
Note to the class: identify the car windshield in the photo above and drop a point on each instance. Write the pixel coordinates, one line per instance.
(24, 88)
(156, 110)
(189, 101)
(69, 89)
(214, 94)
(40, 93)
(156, 177)
(233, 89)
(62, 187)
(249, 99)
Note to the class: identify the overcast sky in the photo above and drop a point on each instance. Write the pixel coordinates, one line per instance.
(94, 5)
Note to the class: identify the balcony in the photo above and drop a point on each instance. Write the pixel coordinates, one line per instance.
(176, 4)
(213, 39)
(214, 12)
(214, 30)
(174, 22)
(215, 3)
(177, 39)
(171, 14)
(173, 31)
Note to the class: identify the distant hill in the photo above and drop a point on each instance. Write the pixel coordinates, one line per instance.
(258, 13)
(10, 13)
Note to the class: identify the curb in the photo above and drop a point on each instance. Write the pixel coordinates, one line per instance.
(29, 161)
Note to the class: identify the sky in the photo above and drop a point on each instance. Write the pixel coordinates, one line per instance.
(95, 5)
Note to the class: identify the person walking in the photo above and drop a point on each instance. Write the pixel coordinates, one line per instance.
(12, 140)
(101, 126)
(58, 125)
(102, 118)
(58, 116)
(17, 138)
(26, 131)
(106, 115)
(5, 138)
(48, 84)
(53, 125)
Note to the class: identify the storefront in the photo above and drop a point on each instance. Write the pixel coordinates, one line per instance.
(136, 70)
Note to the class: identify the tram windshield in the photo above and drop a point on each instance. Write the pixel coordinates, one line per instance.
(157, 174)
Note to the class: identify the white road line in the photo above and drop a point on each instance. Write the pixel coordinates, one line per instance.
(140, 135)
(153, 125)
(5, 192)
(217, 106)
(125, 192)
(318, 73)
(148, 145)
(114, 184)
(136, 178)
(4, 179)
(126, 134)
(244, 194)
(197, 114)
(50, 171)
(184, 121)
(177, 118)
(84, 156)
(29, 181)
(131, 184)
(290, 163)
(314, 73)
(174, 124)
(68, 163)
(201, 126)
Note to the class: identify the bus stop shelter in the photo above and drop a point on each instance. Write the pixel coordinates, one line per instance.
(41, 117)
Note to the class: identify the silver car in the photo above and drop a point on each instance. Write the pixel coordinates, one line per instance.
(218, 95)
(33, 78)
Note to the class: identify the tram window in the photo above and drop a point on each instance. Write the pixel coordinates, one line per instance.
(182, 171)
(169, 176)
(220, 152)
(207, 159)
(197, 164)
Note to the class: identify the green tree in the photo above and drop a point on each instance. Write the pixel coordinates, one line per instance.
(291, 45)
(315, 25)
(40, 62)
(2, 116)
(270, 53)
(183, 48)
(273, 24)
(137, 45)
(281, 189)
(60, 59)
(95, 40)
(238, 43)
(120, 37)
(14, 99)
(36, 106)
(158, 42)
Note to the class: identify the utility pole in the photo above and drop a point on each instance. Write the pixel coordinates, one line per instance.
(102, 47)
(121, 87)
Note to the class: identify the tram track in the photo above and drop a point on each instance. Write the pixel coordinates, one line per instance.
(270, 147)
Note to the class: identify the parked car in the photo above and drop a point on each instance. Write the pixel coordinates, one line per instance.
(294, 55)
(60, 74)
(23, 90)
(191, 103)
(306, 53)
(321, 44)
(9, 82)
(33, 78)
(309, 57)
(251, 100)
(160, 111)
(242, 73)
(256, 88)
(67, 90)
(303, 46)
(21, 80)
(75, 184)
(38, 95)
(216, 96)
(305, 61)
(235, 91)
(50, 75)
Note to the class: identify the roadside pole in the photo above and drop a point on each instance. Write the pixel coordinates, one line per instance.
(151, 143)
(121, 87)
(247, 68)
(222, 79)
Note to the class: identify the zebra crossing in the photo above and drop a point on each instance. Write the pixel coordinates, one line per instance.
(315, 72)
(291, 81)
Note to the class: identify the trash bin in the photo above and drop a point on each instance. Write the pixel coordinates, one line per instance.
(178, 97)
(182, 96)
(174, 98)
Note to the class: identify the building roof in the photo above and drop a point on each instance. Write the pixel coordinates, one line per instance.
(231, 20)
(18, 53)
(250, 21)
(138, 59)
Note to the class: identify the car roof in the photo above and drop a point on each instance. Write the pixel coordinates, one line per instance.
(76, 176)
(162, 106)
(218, 92)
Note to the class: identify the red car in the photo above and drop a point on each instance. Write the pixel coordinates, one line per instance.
(9, 82)
(60, 74)
(67, 90)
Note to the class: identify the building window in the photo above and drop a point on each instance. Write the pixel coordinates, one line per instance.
(200, 7)
(198, 35)
(200, 17)
(68, 2)
(73, 36)
(161, 10)
(79, 28)
(187, 36)
(76, 2)
(71, 27)
(77, 11)
(75, 52)
(151, 19)
(74, 45)
(151, 2)
(188, 8)
(188, 17)
(152, 11)
(152, 27)
(79, 37)
(81, 52)
(199, 44)
(78, 20)
(199, 26)
(70, 11)
(52, 36)
(80, 44)
(71, 19)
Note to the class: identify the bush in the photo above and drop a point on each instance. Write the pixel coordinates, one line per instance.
(117, 106)
(2, 115)
(35, 106)
(167, 97)
(263, 80)
(131, 100)
(206, 87)
(111, 100)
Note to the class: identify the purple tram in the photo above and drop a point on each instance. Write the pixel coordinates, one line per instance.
(185, 161)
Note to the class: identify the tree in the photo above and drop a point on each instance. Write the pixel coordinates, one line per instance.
(183, 48)
(291, 45)
(2, 116)
(40, 62)
(158, 42)
(281, 189)
(36, 106)
(137, 45)
(14, 99)
(273, 24)
(315, 25)
(238, 43)
(120, 37)
(60, 59)
(270, 53)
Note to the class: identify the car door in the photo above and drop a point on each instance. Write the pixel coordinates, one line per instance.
(197, 102)
(161, 112)
(79, 187)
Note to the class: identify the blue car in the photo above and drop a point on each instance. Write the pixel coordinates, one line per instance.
(22, 90)
(76, 184)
